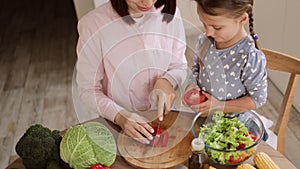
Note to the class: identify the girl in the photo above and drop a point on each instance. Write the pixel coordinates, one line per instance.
(229, 68)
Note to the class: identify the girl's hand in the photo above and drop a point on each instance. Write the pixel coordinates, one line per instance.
(134, 126)
(188, 89)
(193, 96)
(206, 105)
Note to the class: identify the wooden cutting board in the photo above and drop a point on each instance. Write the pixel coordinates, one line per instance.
(176, 152)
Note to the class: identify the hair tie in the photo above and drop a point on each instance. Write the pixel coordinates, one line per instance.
(255, 37)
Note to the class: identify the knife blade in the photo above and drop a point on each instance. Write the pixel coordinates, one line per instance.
(158, 125)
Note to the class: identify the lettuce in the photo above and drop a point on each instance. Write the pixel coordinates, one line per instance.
(87, 144)
(226, 134)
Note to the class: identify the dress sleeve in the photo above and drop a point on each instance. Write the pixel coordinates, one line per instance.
(255, 77)
(90, 74)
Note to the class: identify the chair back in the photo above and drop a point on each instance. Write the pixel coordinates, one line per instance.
(284, 63)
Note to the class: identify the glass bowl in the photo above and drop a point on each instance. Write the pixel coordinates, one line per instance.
(237, 156)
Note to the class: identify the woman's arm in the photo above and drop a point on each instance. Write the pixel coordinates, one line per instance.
(90, 75)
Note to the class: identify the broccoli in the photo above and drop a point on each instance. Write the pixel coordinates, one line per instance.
(39, 148)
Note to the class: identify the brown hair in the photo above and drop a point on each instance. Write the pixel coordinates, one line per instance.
(235, 8)
(120, 6)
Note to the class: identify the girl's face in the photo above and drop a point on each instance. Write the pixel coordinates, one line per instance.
(139, 6)
(225, 30)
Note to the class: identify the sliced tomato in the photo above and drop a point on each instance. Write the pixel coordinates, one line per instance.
(232, 160)
(155, 141)
(203, 98)
(242, 157)
(241, 146)
(165, 139)
(157, 130)
(253, 138)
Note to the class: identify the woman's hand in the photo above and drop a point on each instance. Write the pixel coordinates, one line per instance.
(163, 95)
(134, 126)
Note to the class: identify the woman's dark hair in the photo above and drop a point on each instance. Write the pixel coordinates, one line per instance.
(120, 6)
(235, 8)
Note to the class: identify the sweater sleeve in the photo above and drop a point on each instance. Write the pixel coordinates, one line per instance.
(255, 77)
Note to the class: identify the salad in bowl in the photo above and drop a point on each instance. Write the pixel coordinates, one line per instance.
(229, 140)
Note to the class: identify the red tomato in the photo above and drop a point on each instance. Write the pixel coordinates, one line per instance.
(155, 141)
(253, 138)
(241, 146)
(99, 166)
(156, 136)
(157, 130)
(165, 138)
(232, 160)
(242, 157)
(193, 97)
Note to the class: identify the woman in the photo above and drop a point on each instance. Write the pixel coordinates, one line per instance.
(128, 52)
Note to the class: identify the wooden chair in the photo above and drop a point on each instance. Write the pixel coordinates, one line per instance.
(284, 63)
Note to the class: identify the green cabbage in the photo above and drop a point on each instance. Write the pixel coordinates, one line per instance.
(87, 144)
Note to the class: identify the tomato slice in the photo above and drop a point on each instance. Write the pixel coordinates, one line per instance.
(157, 130)
(241, 146)
(165, 139)
(155, 141)
(232, 160)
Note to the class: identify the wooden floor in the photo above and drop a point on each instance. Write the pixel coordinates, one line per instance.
(37, 57)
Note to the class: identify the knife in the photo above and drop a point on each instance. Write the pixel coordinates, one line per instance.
(158, 123)
(156, 138)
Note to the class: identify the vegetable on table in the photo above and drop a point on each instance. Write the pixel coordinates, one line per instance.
(263, 161)
(87, 144)
(39, 148)
(99, 166)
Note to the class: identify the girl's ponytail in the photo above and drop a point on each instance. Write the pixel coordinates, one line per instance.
(251, 28)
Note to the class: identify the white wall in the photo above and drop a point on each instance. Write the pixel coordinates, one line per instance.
(277, 23)
(99, 2)
(83, 6)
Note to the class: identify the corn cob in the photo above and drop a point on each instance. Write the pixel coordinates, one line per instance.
(263, 161)
(245, 166)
